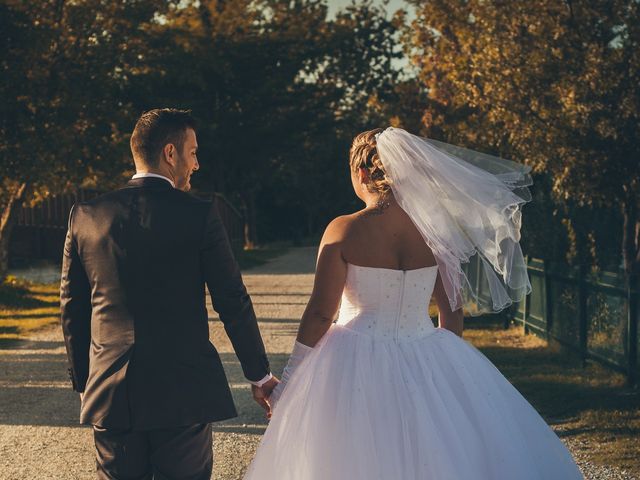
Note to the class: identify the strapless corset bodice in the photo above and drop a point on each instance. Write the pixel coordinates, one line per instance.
(386, 303)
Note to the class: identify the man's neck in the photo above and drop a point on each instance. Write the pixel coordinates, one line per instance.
(155, 171)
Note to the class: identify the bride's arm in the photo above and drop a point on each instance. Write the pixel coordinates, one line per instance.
(331, 274)
(447, 318)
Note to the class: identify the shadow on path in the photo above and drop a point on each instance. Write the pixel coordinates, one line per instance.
(295, 262)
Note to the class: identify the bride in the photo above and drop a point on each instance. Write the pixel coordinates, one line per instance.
(382, 393)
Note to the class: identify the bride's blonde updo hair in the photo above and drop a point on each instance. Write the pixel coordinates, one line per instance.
(364, 154)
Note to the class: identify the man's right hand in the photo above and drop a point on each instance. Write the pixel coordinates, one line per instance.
(261, 394)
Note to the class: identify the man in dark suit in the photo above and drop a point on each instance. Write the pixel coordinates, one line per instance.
(134, 317)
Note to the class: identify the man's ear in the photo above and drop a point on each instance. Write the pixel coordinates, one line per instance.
(169, 154)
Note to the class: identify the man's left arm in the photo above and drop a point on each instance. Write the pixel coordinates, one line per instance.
(231, 300)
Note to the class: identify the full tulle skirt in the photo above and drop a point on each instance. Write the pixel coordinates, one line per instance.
(431, 408)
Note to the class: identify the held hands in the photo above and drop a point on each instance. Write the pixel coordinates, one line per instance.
(268, 395)
(262, 394)
(299, 353)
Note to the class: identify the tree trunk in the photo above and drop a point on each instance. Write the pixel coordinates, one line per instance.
(250, 234)
(7, 222)
(631, 236)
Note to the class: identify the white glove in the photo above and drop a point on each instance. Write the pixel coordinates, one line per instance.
(299, 353)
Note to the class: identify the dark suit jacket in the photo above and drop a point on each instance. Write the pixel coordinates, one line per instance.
(135, 266)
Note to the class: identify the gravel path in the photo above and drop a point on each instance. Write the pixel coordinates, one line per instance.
(39, 435)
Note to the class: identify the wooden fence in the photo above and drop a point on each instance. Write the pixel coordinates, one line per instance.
(40, 230)
(592, 314)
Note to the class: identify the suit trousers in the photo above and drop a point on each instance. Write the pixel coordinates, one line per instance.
(181, 453)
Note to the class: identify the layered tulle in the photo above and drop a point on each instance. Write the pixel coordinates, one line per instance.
(433, 408)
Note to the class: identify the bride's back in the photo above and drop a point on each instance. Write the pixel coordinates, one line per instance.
(382, 235)
(385, 238)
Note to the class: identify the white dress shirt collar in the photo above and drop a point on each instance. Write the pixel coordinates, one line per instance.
(155, 175)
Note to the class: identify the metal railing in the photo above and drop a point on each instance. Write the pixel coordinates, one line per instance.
(594, 314)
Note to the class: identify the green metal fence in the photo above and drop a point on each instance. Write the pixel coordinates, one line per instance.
(593, 314)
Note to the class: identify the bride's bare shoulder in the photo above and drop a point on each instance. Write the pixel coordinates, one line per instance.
(341, 227)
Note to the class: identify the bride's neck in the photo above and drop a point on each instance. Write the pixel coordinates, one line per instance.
(381, 201)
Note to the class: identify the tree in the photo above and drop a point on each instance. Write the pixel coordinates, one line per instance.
(280, 90)
(552, 83)
(277, 88)
(64, 67)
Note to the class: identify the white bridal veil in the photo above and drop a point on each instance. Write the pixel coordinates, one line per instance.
(464, 203)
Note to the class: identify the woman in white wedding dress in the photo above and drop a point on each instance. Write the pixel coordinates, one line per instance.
(382, 393)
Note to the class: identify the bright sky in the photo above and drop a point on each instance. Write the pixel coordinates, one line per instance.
(335, 5)
(394, 5)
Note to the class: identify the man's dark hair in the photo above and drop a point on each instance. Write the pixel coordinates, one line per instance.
(155, 129)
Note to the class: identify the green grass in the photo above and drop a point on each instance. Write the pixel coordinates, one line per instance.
(591, 405)
(26, 306)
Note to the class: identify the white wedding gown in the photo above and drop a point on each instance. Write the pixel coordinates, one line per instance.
(386, 395)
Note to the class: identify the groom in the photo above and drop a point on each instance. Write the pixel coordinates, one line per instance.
(134, 317)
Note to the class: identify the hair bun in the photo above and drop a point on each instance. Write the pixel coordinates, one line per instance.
(364, 154)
